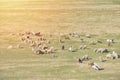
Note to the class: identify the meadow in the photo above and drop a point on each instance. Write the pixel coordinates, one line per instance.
(99, 18)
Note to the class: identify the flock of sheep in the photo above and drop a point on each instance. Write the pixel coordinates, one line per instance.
(39, 44)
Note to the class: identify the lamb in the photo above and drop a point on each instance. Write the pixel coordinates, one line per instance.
(74, 34)
(37, 34)
(44, 47)
(70, 48)
(33, 44)
(65, 37)
(110, 41)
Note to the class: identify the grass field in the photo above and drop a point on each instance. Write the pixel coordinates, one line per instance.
(100, 18)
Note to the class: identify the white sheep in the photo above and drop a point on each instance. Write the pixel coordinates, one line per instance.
(10, 47)
(70, 48)
(85, 58)
(115, 55)
(109, 56)
(94, 65)
(110, 41)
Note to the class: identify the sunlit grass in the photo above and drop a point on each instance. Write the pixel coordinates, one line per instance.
(100, 18)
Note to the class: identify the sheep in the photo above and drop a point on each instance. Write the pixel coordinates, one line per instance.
(74, 34)
(104, 50)
(109, 41)
(88, 36)
(98, 41)
(71, 49)
(50, 50)
(82, 46)
(32, 44)
(28, 33)
(19, 46)
(85, 58)
(48, 42)
(44, 46)
(33, 49)
(10, 47)
(39, 52)
(65, 37)
(101, 50)
(94, 65)
(109, 56)
(92, 43)
(115, 55)
(37, 34)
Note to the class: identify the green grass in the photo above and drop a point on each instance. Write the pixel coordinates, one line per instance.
(100, 18)
(22, 64)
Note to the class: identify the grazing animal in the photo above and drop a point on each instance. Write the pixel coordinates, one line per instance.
(10, 47)
(71, 49)
(33, 49)
(101, 50)
(79, 60)
(109, 56)
(82, 46)
(98, 41)
(63, 47)
(85, 58)
(94, 65)
(109, 42)
(88, 36)
(39, 52)
(74, 34)
(116, 56)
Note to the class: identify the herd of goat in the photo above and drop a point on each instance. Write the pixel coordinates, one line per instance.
(39, 44)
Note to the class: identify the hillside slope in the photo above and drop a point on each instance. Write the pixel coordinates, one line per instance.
(88, 16)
